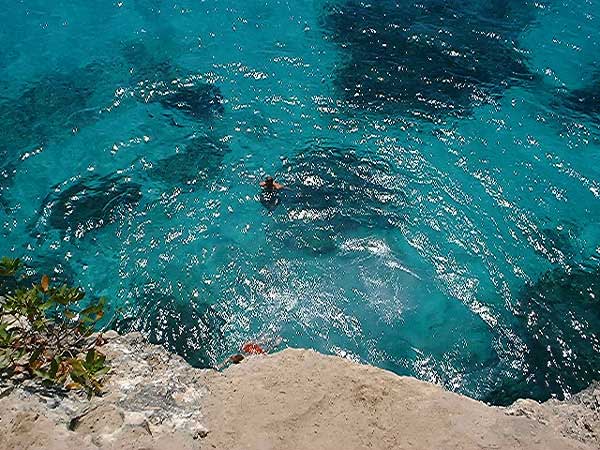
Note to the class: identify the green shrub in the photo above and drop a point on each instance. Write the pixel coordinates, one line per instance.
(45, 334)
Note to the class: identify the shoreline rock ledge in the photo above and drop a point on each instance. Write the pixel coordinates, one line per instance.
(291, 400)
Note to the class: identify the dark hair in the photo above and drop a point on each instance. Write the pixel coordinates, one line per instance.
(269, 179)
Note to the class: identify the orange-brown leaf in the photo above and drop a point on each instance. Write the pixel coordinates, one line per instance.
(35, 365)
(45, 283)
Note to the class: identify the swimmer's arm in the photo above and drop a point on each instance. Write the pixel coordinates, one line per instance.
(279, 186)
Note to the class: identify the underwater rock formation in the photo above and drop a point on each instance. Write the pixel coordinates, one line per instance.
(88, 204)
(157, 79)
(148, 9)
(55, 106)
(333, 186)
(431, 57)
(560, 314)
(190, 329)
(583, 101)
(48, 109)
(6, 175)
(332, 191)
(194, 98)
(200, 161)
(556, 244)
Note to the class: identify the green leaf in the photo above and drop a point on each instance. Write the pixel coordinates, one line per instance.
(35, 355)
(70, 314)
(43, 374)
(77, 368)
(78, 379)
(65, 295)
(6, 335)
(54, 368)
(94, 361)
(44, 306)
(102, 372)
(9, 266)
(89, 358)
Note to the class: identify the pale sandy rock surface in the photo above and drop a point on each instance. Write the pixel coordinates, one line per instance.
(578, 417)
(295, 399)
(298, 399)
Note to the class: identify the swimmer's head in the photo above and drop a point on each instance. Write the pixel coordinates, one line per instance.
(269, 181)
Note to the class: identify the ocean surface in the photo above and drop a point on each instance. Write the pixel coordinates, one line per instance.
(442, 163)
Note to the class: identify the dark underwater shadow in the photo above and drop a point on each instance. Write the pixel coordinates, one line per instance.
(59, 104)
(191, 97)
(48, 110)
(7, 172)
(558, 244)
(77, 207)
(580, 104)
(192, 330)
(148, 9)
(156, 79)
(429, 58)
(8, 54)
(331, 191)
(560, 323)
(334, 186)
(199, 162)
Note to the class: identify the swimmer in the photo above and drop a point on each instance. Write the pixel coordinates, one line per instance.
(271, 185)
(270, 193)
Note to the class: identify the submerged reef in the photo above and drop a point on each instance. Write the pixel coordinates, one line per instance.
(7, 172)
(49, 108)
(190, 329)
(560, 314)
(61, 103)
(158, 79)
(191, 97)
(333, 191)
(430, 57)
(148, 9)
(8, 53)
(582, 101)
(333, 186)
(557, 244)
(76, 208)
(198, 162)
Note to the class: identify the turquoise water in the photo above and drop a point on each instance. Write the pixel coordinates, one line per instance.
(442, 163)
